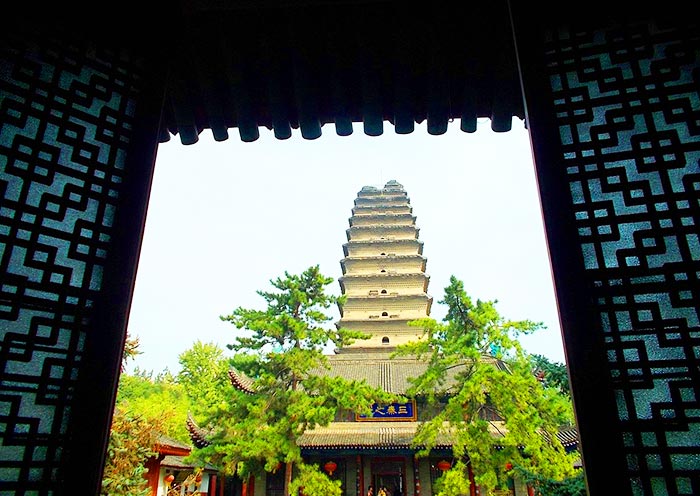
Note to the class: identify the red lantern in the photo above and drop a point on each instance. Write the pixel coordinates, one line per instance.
(169, 479)
(444, 465)
(509, 466)
(330, 467)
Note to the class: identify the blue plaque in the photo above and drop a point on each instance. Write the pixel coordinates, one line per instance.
(392, 411)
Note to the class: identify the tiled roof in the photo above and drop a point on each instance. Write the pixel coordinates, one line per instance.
(172, 443)
(197, 434)
(388, 435)
(241, 381)
(379, 370)
(568, 436)
(178, 462)
(375, 367)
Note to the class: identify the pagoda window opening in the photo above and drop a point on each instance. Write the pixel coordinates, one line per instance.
(383, 271)
(385, 340)
(383, 254)
(385, 314)
(383, 291)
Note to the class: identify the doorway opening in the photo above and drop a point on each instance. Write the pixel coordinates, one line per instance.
(389, 476)
(227, 217)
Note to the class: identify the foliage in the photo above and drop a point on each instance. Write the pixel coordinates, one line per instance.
(131, 442)
(494, 410)
(203, 375)
(572, 486)
(160, 400)
(131, 349)
(553, 374)
(281, 350)
(311, 481)
(146, 408)
(453, 481)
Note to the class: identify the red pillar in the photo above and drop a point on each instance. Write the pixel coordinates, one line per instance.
(360, 475)
(153, 473)
(416, 476)
(212, 485)
(472, 482)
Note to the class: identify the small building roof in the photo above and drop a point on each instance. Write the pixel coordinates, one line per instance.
(169, 446)
(178, 462)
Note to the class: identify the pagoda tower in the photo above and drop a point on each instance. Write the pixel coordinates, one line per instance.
(384, 277)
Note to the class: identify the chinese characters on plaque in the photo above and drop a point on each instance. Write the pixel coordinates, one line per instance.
(393, 411)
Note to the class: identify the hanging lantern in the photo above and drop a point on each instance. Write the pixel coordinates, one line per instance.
(169, 479)
(509, 467)
(330, 467)
(444, 465)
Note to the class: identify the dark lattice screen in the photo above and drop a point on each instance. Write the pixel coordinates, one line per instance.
(628, 116)
(66, 121)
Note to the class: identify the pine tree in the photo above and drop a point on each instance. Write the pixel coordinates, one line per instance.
(280, 351)
(493, 408)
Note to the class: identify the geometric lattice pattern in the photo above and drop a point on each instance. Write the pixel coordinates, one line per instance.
(628, 113)
(65, 122)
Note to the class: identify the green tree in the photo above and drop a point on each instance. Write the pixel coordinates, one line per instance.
(203, 375)
(160, 400)
(131, 349)
(145, 410)
(281, 352)
(132, 440)
(551, 374)
(492, 406)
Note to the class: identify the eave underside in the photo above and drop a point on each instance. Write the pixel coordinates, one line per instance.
(303, 65)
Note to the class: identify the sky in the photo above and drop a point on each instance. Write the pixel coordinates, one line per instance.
(225, 218)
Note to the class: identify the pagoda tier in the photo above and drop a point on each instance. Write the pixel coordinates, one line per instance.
(384, 278)
(373, 219)
(386, 202)
(380, 233)
(383, 265)
(383, 335)
(383, 248)
(379, 285)
(382, 209)
(390, 306)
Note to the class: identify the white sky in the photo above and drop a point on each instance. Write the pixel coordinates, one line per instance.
(225, 218)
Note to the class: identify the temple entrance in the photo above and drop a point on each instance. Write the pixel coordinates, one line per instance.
(389, 473)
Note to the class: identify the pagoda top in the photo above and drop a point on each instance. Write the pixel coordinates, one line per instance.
(390, 186)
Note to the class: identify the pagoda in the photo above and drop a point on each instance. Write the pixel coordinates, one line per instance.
(385, 287)
(384, 277)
